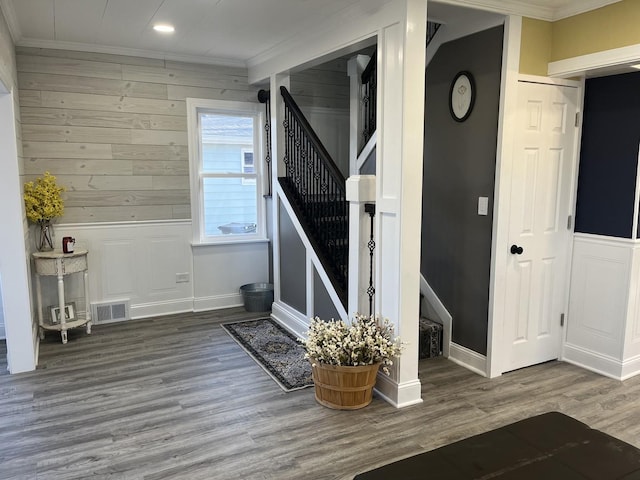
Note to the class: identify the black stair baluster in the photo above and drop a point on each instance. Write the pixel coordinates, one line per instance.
(370, 208)
(318, 189)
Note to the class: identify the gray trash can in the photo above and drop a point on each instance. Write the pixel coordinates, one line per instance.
(257, 297)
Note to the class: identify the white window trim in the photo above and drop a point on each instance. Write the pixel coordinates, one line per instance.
(194, 105)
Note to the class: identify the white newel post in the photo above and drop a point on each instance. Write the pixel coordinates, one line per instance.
(361, 189)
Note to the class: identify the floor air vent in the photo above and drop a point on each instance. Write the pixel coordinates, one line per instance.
(110, 311)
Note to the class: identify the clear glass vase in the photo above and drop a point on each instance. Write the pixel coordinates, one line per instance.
(44, 239)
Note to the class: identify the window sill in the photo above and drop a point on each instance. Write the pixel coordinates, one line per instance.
(230, 242)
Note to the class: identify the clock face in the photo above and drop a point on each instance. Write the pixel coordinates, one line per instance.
(462, 96)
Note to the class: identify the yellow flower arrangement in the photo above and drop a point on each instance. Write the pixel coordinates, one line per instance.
(43, 199)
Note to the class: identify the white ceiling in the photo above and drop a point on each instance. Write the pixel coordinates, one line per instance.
(212, 31)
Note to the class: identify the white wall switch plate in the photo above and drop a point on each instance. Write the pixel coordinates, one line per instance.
(483, 205)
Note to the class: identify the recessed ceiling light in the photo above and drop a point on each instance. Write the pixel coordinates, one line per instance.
(164, 28)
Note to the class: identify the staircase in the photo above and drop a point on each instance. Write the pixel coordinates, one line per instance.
(315, 187)
(316, 190)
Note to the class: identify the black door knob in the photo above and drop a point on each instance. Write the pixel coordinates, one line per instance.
(516, 250)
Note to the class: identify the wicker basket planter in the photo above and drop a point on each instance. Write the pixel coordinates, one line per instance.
(344, 388)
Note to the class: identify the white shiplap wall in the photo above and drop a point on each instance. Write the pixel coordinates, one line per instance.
(113, 129)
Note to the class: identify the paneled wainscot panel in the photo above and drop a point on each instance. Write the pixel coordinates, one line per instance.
(603, 309)
(599, 291)
(137, 262)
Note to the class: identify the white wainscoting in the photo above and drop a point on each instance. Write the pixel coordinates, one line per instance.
(603, 322)
(220, 270)
(141, 262)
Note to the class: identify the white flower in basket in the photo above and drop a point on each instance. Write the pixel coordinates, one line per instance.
(367, 340)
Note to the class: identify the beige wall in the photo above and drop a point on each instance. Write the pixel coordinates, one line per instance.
(113, 129)
(606, 28)
(613, 26)
(536, 46)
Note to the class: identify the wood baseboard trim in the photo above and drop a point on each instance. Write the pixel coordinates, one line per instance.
(217, 302)
(596, 362)
(400, 395)
(145, 310)
(469, 359)
(290, 318)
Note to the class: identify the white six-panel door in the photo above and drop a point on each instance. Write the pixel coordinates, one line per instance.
(539, 234)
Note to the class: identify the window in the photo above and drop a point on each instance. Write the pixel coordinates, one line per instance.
(226, 189)
(247, 165)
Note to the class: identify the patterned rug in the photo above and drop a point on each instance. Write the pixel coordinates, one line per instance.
(275, 349)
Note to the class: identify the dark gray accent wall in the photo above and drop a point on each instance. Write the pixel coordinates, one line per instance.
(322, 304)
(609, 156)
(293, 277)
(459, 167)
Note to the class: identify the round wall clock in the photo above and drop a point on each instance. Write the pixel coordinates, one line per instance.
(462, 96)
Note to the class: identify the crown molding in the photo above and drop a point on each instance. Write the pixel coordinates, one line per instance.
(130, 52)
(505, 7)
(9, 13)
(523, 8)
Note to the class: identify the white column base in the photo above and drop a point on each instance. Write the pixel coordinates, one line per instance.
(399, 395)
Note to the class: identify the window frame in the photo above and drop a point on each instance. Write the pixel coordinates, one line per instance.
(195, 107)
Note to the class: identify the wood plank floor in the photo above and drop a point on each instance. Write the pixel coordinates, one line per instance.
(175, 398)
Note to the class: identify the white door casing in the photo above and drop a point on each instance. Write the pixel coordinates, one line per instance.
(539, 230)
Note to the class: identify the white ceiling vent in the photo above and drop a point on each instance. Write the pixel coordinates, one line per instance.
(107, 312)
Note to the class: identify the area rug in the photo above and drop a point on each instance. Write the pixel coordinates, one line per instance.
(275, 349)
(548, 446)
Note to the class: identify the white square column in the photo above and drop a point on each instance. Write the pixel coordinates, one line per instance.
(401, 90)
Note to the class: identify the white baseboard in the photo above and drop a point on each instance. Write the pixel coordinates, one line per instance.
(217, 302)
(144, 310)
(36, 342)
(440, 310)
(399, 395)
(601, 364)
(630, 368)
(469, 359)
(290, 318)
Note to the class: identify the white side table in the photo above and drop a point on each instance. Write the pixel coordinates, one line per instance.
(62, 264)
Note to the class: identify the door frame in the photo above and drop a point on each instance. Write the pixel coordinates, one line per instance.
(21, 337)
(503, 181)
